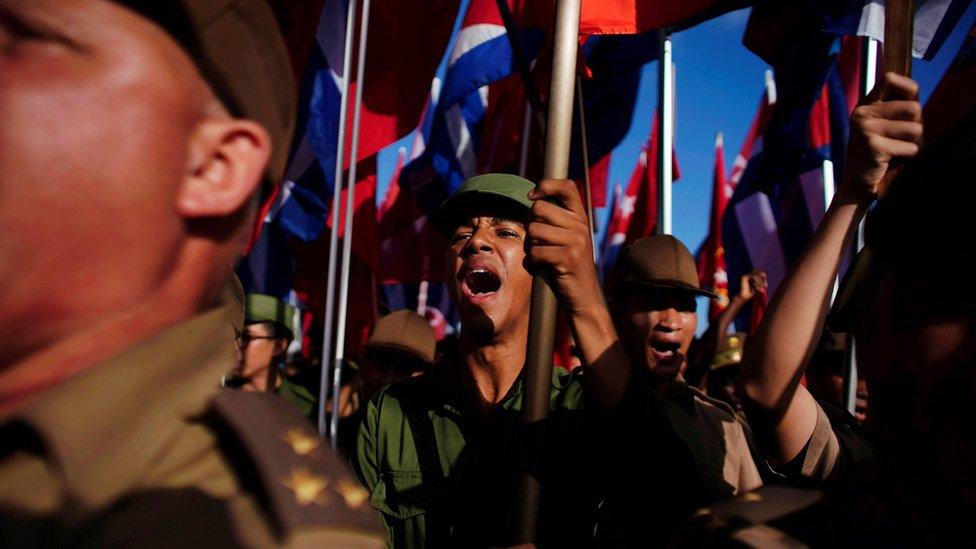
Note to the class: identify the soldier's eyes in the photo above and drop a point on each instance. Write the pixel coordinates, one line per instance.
(459, 237)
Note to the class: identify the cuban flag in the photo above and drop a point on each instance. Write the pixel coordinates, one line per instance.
(934, 21)
(784, 188)
(482, 55)
(616, 235)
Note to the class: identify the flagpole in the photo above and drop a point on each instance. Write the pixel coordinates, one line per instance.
(542, 316)
(869, 73)
(340, 344)
(526, 134)
(897, 57)
(333, 234)
(584, 149)
(665, 112)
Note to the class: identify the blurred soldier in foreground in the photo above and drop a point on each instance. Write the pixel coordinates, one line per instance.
(134, 137)
(440, 453)
(912, 480)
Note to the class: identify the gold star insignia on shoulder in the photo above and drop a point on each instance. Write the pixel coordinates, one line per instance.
(751, 497)
(308, 488)
(301, 442)
(352, 492)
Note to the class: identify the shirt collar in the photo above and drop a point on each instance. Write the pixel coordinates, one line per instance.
(104, 429)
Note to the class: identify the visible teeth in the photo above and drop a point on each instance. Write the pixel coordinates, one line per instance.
(479, 270)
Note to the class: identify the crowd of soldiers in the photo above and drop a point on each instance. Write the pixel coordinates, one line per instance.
(135, 136)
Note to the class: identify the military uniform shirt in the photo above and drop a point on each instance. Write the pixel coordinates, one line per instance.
(146, 449)
(441, 475)
(299, 396)
(718, 441)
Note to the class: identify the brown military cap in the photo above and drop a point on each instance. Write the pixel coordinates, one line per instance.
(239, 50)
(406, 332)
(661, 261)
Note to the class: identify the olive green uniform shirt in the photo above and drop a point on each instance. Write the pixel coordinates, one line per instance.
(146, 449)
(440, 474)
(299, 396)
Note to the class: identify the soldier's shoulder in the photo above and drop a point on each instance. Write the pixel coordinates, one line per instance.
(772, 515)
(302, 485)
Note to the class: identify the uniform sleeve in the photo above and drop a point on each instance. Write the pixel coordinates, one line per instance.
(822, 452)
(364, 460)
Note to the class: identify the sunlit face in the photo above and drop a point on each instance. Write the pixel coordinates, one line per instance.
(96, 108)
(489, 281)
(656, 326)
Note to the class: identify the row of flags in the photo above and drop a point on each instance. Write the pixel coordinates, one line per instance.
(472, 116)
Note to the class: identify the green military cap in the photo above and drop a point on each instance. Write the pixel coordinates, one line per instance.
(407, 332)
(239, 50)
(662, 261)
(265, 308)
(495, 193)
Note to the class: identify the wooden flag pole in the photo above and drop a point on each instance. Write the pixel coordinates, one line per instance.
(542, 316)
(897, 57)
(585, 153)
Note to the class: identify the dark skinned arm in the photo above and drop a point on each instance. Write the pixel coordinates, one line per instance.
(886, 126)
(559, 239)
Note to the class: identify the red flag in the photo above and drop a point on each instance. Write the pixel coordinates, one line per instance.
(759, 303)
(637, 16)
(409, 245)
(365, 236)
(643, 186)
(711, 258)
(406, 41)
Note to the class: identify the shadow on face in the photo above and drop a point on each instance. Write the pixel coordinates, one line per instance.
(487, 277)
(656, 326)
(383, 367)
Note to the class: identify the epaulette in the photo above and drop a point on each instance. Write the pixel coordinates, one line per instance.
(303, 483)
(771, 516)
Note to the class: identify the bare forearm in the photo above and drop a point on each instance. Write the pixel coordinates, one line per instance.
(607, 367)
(778, 353)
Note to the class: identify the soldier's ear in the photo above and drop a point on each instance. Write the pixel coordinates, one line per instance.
(225, 165)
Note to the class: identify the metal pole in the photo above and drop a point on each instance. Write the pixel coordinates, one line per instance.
(869, 72)
(340, 344)
(585, 158)
(542, 317)
(526, 134)
(334, 235)
(665, 112)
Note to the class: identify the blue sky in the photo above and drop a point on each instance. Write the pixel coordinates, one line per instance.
(718, 86)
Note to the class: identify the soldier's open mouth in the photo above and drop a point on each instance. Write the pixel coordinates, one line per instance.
(482, 281)
(665, 350)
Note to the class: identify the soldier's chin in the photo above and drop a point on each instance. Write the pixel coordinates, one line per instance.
(475, 321)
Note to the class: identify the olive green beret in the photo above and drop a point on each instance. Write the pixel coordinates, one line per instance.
(266, 308)
(492, 193)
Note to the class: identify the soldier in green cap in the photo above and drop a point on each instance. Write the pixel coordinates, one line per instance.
(269, 327)
(135, 135)
(439, 453)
